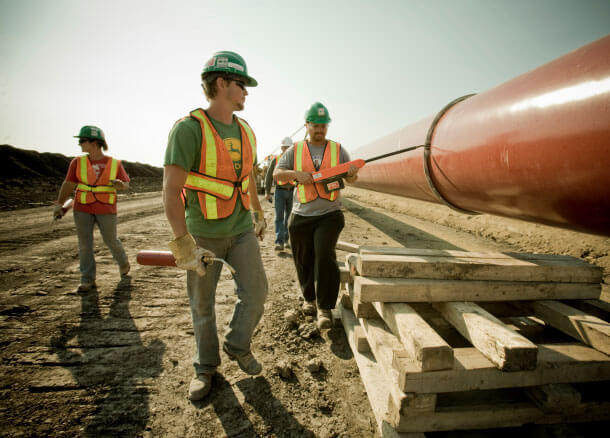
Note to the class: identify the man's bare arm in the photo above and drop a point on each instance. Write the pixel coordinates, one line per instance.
(293, 175)
(174, 178)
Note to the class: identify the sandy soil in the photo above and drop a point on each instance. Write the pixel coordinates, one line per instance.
(117, 361)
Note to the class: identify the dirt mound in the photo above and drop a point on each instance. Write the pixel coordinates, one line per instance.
(32, 179)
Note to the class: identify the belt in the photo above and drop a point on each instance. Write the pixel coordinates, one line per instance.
(284, 188)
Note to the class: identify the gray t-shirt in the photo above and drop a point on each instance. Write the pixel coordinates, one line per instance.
(319, 206)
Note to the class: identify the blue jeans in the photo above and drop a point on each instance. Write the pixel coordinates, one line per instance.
(282, 200)
(84, 229)
(243, 253)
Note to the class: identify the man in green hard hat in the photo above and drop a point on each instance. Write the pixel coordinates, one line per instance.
(211, 156)
(316, 220)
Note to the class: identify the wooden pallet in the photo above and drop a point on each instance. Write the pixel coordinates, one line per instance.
(450, 363)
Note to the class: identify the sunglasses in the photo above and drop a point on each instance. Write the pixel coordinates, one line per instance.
(240, 83)
(83, 140)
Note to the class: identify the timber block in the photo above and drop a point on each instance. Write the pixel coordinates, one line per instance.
(362, 310)
(504, 347)
(474, 268)
(420, 340)
(421, 290)
(351, 261)
(344, 274)
(594, 307)
(360, 340)
(375, 381)
(347, 246)
(583, 327)
(557, 363)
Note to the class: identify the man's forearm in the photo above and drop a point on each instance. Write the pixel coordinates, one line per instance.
(269, 177)
(254, 201)
(174, 211)
(285, 174)
(174, 178)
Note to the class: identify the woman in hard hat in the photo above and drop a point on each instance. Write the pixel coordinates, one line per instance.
(96, 178)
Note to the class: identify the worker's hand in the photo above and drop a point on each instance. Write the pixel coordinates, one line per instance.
(118, 184)
(268, 197)
(58, 211)
(188, 255)
(352, 171)
(303, 177)
(352, 174)
(259, 223)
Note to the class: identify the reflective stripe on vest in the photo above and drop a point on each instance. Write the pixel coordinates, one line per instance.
(303, 162)
(216, 180)
(91, 189)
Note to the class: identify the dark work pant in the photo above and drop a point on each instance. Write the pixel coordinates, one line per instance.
(313, 240)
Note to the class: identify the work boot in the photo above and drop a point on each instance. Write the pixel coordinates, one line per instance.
(200, 386)
(87, 286)
(279, 246)
(124, 270)
(325, 319)
(309, 308)
(246, 361)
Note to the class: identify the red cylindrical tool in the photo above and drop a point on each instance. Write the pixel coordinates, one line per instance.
(535, 148)
(156, 258)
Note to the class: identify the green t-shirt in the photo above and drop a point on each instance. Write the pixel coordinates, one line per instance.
(184, 150)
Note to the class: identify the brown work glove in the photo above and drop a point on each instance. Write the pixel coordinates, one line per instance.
(188, 255)
(259, 223)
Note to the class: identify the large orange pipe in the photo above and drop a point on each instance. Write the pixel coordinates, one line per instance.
(535, 148)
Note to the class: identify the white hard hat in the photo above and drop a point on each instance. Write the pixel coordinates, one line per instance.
(287, 141)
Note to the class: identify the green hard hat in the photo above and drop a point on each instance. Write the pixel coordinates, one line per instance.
(92, 132)
(317, 113)
(229, 62)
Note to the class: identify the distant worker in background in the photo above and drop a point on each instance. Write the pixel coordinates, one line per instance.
(96, 178)
(316, 219)
(282, 199)
(212, 154)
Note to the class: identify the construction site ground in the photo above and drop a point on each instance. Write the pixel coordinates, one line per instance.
(117, 361)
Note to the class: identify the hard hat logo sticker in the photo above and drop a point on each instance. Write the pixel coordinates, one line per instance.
(235, 66)
(222, 62)
(321, 111)
(210, 62)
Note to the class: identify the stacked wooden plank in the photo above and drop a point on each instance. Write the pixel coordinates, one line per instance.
(449, 340)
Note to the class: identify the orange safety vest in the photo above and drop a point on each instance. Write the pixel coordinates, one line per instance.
(303, 162)
(216, 180)
(277, 181)
(91, 188)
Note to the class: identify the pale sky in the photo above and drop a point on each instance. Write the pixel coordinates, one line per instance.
(133, 67)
